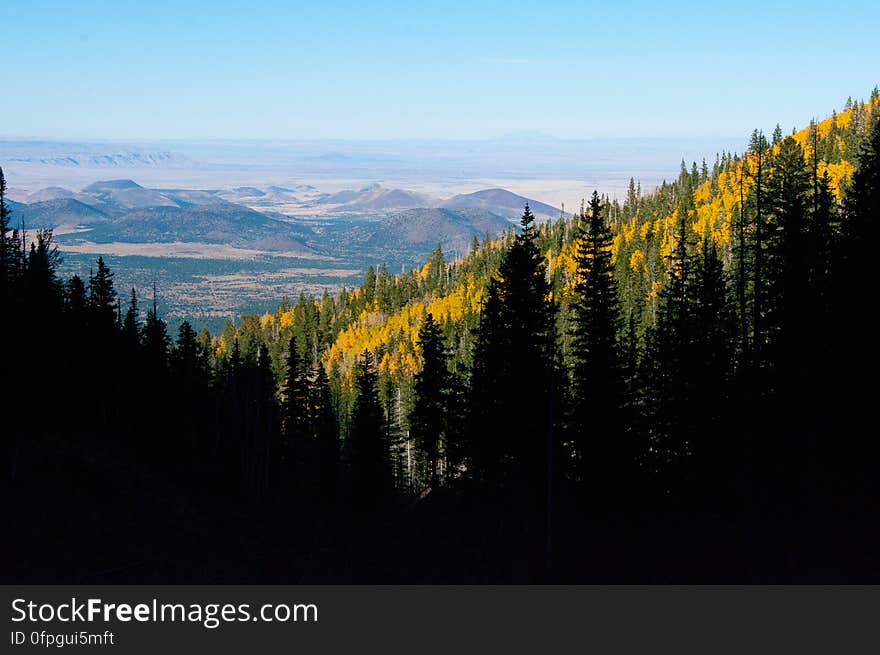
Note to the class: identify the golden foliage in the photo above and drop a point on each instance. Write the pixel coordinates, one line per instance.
(641, 240)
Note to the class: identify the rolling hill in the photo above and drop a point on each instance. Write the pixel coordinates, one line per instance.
(50, 193)
(124, 194)
(500, 201)
(375, 198)
(226, 224)
(426, 227)
(60, 212)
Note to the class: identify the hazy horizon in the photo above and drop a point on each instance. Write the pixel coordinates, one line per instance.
(565, 173)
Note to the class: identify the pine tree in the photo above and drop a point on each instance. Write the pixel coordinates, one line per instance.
(131, 327)
(326, 436)
(777, 134)
(710, 363)
(712, 313)
(156, 339)
(515, 389)
(102, 298)
(295, 392)
(384, 289)
(294, 454)
(369, 455)
(854, 354)
(228, 381)
(369, 286)
(786, 299)
(823, 240)
(668, 370)
(187, 362)
(487, 449)
(862, 209)
(75, 302)
(632, 198)
(758, 148)
(8, 248)
(42, 289)
(429, 415)
(435, 268)
(741, 253)
(457, 419)
(515, 355)
(597, 376)
(789, 437)
(264, 423)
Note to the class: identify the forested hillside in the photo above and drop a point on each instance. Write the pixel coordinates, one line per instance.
(665, 388)
(719, 204)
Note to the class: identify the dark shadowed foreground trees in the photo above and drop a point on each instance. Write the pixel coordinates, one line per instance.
(431, 414)
(603, 451)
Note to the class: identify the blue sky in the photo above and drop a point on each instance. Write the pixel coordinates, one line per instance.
(192, 69)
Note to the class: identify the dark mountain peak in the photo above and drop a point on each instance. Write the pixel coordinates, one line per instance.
(49, 193)
(250, 191)
(112, 185)
(58, 212)
(496, 193)
(500, 200)
(424, 227)
(376, 197)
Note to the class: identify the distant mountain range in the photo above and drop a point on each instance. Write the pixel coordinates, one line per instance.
(375, 197)
(109, 160)
(59, 207)
(273, 194)
(124, 211)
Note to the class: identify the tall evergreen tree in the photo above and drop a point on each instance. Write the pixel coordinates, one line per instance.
(514, 412)
(429, 414)
(8, 248)
(187, 360)
(710, 366)
(131, 327)
(786, 308)
(102, 298)
(369, 454)
(264, 423)
(42, 289)
(855, 355)
(326, 436)
(758, 149)
(669, 368)
(487, 450)
(75, 301)
(597, 377)
(156, 339)
(823, 239)
(516, 354)
(862, 211)
(741, 253)
(295, 408)
(369, 285)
